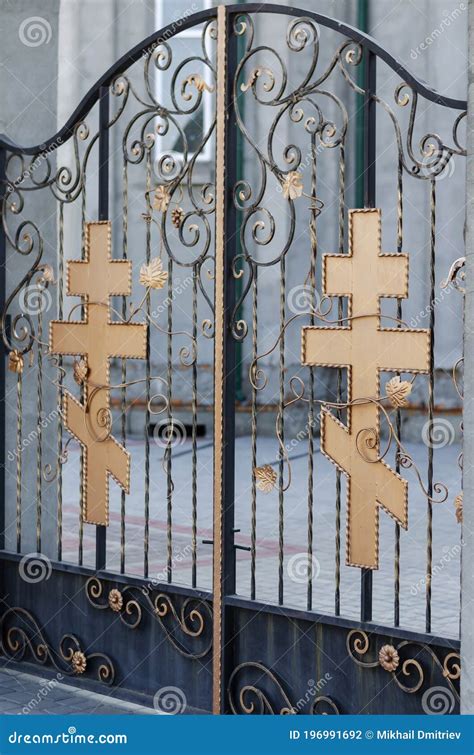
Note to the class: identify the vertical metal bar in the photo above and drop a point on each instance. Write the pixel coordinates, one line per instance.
(224, 357)
(253, 525)
(281, 433)
(396, 605)
(340, 313)
(146, 503)
(312, 299)
(429, 530)
(100, 542)
(123, 390)
(3, 251)
(369, 201)
(194, 435)
(467, 609)
(39, 433)
(60, 381)
(170, 429)
(80, 555)
(19, 421)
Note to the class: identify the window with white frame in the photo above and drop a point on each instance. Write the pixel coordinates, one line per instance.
(186, 45)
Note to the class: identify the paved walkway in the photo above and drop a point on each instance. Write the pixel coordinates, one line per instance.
(25, 694)
(446, 532)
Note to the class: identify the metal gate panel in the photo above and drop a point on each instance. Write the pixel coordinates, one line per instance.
(228, 165)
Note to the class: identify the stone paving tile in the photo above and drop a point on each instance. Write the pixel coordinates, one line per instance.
(446, 550)
(20, 694)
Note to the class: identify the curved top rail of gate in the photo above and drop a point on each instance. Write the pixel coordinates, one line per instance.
(169, 31)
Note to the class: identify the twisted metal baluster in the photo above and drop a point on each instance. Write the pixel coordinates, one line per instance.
(39, 447)
(194, 436)
(281, 431)
(396, 611)
(146, 540)
(123, 391)
(19, 430)
(429, 548)
(82, 490)
(169, 446)
(253, 525)
(60, 429)
(313, 256)
(342, 178)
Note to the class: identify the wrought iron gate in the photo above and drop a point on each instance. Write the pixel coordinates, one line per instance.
(216, 184)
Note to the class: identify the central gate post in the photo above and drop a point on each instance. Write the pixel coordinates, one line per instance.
(224, 358)
(467, 589)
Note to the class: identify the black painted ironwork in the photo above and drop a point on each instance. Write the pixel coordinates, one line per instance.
(255, 672)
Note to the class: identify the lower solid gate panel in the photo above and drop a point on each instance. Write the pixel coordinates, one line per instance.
(127, 639)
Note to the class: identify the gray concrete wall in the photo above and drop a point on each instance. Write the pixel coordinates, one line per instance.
(28, 89)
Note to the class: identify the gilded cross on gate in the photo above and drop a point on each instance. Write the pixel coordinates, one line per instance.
(364, 348)
(97, 339)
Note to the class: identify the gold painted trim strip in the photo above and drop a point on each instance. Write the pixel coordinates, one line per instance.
(219, 343)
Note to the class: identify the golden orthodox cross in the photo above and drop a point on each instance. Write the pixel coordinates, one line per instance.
(364, 348)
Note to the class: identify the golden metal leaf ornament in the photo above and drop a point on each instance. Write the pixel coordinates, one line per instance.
(458, 505)
(47, 274)
(153, 275)
(397, 391)
(389, 658)
(80, 371)
(78, 662)
(161, 199)
(15, 362)
(292, 185)
(266, 478)
(196, 81)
